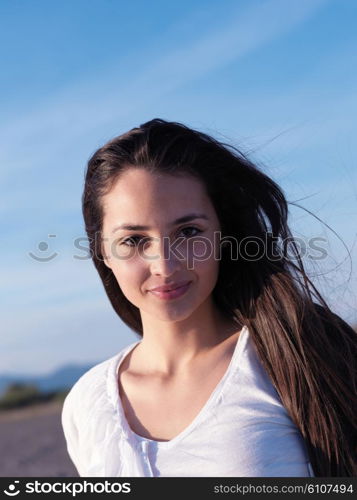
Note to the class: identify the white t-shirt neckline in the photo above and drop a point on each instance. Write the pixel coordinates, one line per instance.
(114, 396)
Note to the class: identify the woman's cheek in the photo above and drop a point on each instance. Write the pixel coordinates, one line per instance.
(129, 283)
(200, 254)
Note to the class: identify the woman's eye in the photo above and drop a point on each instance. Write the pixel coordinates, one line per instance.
(190, 229)
(134, 241)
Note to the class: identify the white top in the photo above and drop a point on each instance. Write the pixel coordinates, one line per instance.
(243, 430)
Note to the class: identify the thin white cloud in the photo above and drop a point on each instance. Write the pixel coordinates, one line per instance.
(77, 332)
(40, 283)
(41, 134)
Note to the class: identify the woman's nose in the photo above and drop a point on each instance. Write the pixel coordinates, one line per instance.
(165, 258)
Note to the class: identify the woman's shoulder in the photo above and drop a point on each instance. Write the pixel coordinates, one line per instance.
(90, 390)
(92, 379)
(87, 412)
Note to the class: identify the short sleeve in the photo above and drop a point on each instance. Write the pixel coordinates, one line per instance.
(87, 421)
(70, 431)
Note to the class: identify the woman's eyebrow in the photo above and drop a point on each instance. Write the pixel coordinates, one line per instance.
(180, 220)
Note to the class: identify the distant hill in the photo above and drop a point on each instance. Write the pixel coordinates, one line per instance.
(63, 378)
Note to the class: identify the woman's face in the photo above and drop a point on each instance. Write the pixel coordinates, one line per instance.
(165, 252)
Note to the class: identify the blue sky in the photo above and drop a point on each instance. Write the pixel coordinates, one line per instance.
(275, 78)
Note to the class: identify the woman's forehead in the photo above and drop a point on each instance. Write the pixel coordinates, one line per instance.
(142, 198)
(139, 178)
(143, 190)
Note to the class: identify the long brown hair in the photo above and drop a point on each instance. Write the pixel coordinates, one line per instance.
(308, 351)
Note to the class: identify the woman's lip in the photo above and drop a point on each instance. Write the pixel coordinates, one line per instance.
(172, 294)
(168, 288)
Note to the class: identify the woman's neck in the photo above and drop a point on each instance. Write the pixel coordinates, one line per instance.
(169, 348)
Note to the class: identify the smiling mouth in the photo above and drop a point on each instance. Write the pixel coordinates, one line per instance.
(173, 287)
(173, 293)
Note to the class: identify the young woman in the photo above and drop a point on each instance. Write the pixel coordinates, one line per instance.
(241, 369)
